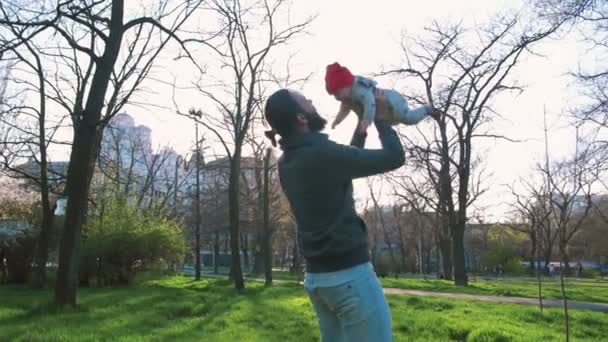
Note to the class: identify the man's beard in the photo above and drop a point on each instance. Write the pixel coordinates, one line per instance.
(316, 123)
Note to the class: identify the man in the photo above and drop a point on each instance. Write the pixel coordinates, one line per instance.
(316, 175)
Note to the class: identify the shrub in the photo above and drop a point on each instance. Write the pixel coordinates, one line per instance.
(504, 255)
(126, 240)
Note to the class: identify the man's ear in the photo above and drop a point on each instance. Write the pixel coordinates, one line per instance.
(301, 120)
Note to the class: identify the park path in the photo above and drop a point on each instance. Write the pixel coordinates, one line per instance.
(572, 304)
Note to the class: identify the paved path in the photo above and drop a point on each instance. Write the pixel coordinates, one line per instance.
(501, 299)
(603, 307)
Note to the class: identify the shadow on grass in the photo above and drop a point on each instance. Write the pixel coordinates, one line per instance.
(173, 309)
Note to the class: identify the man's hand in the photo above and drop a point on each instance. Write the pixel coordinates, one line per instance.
(363, 126)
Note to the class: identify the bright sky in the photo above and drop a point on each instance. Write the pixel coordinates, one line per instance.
(365, 36)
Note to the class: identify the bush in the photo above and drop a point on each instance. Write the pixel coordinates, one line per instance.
(125, 241)
(504, 255)
(384, 266)
(591, 273)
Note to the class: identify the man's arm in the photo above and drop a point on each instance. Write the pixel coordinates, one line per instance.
(358, 139)
(350, 162)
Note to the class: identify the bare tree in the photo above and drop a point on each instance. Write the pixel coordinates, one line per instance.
(535, 214)
(589, 18)
(24, 150)
(381, 219)
(462, 79)
(419, 193)
(101, 60)
(238, 101)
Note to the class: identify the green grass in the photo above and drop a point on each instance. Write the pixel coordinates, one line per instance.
(276, 274)
(591, 290)
(180, 309)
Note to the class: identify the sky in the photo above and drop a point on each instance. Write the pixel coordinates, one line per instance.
(365, 36)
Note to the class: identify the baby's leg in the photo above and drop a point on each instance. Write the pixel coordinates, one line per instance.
(401, 111)
(413, 116)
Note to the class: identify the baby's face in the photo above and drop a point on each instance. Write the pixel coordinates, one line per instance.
(343, 94)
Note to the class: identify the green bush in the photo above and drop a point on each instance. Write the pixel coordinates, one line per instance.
(126, 240)
(504, 255)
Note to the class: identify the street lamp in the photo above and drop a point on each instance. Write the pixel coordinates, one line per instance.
(197, 115)
(62, 203)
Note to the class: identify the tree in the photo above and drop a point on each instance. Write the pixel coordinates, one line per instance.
(590, 18)
(420, 193)
(102, 58)
(31, 129)
(19, 223)
(381, 219)
(239, 101)
(462, 79)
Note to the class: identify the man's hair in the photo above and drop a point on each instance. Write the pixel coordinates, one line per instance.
(281, 111)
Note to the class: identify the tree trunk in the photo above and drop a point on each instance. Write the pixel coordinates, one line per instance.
(245, 249)
(532, 250)
(566, 260)
(402, 252)
(18, 262)
(295, 260)
(258, 257)
(267, 239)
(197, 233)
(216, 252)
(42, 250)
(539, 278)
(445, 249)
(85, 147)
(547, 257)
(234, 203)
(284, 256)
(565, 300)
(77, 189)
(2, 266)
(460, 275)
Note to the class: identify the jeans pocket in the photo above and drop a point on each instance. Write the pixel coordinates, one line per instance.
(345, 301)
(353, 301)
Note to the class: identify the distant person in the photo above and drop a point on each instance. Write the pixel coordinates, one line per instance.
(551, 270)
(579, 270)
(316, 175)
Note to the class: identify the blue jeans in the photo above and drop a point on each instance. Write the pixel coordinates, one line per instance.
(350, 305)
(402, 112)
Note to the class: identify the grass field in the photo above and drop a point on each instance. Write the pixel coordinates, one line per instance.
(180, 309)
(590, 290)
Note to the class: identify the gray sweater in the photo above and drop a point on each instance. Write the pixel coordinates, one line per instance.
(316, 175)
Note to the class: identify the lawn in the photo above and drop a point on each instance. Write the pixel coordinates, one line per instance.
(591, 290)
(180, 309)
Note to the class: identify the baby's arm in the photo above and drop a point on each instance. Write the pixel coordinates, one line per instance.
(342, 113)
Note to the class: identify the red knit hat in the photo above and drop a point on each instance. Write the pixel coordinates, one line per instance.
(337, 77)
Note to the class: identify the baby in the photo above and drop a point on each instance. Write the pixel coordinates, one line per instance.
(360, 94)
